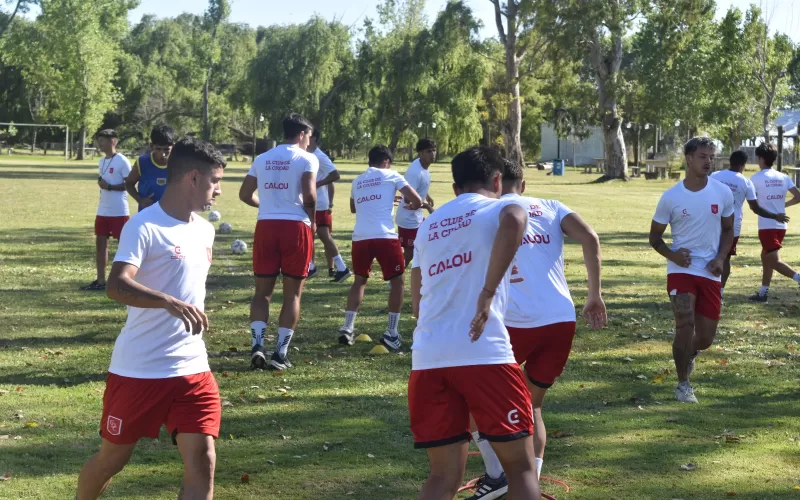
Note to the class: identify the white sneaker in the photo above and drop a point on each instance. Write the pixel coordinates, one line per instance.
(684, 393)
(391, 341)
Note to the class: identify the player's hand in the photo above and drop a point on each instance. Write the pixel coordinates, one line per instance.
(103, 184)
(594, 312)
(194, 320)
(397, 199)
(682, 257)
(782, 218)
(313, 227)
(715, 266)
(146, 202)
(481, 315)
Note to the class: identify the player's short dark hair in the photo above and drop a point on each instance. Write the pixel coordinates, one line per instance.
(738, 159)
(316, 134)
(768, 152)
(512, 172)
(379, 153)
(696, 143)
(107, 133)
(476, 165)
(193, 154)
(294, 125)
(424, 144)
(162, 135)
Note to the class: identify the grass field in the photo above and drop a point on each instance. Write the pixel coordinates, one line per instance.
(338, 427)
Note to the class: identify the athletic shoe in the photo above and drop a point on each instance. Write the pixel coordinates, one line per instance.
(691, 364)
(684, 393)
(278, 362)
(312, 272)
(392, 342)
(340, 276)
(94, 286)
(488, 488)
(257, 358)
(331, 273)
(758, 298)
(346, 338)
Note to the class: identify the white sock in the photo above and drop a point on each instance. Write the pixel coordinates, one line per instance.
(763, 291)
(490, 460)
(796, 277)
(339, 263)
(311, 267)
(284, 337)
(394, 320)
(349, 321)
(539, 463)
(257, 330)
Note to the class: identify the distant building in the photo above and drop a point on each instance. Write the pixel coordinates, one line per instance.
(574, 151)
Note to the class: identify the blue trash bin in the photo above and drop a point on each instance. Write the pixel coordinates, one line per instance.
(558, 167)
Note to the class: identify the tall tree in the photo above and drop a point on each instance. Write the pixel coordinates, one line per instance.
(215, 17)
(18, 7)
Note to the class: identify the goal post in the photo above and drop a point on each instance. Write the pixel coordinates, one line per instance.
(45, 125)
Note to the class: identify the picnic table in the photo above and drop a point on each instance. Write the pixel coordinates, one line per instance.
(720, 163)
(636, 171)
(599, 166)
(661, 167)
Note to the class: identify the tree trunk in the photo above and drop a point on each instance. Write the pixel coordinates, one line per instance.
(33, 142)
(616, 156)
(398, 129)
(206, 129)
(606, 68)
(765, 119)
(82, 144)
(512, 128)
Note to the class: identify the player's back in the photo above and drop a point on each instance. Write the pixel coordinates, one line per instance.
(279, 172)
(771, 188)
(538, 294)
(420, 179)
(373, 195)
(452, 250)
(737, 183)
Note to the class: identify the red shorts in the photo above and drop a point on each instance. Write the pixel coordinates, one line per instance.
(441, 400)
(109, 226)
(134, 408)
(733, 247)
(386, 251)
(282, 247)
(324, 218)
(708, 295)
(407, 236)
(544, 350)
(771, 239)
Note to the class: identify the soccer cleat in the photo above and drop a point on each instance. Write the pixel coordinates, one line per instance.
(341, 276)
(346, 338)
(312, 272)
(257, 358)
(278, 362)
(331, 273)
(758, 298)
(392, 342)
(488, 488)
(684, 393)
(94, 286)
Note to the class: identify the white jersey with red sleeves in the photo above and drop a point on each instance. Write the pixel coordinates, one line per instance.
(695, 219)
(452, 250)
(114, 170)
(373, 195)
(326, 167)
(420, 179)
(771, 188)
(539, 295)
(173, 257)
(278, 172)
(742, 189)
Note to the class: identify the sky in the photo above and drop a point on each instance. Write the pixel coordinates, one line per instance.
(782, 15)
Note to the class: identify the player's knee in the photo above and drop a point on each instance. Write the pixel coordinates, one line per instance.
(200, 465)
(684, 321)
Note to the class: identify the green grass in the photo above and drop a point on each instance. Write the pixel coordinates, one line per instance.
(56, 343)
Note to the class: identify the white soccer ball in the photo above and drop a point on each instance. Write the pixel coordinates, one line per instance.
(214, 216)
(238, 247)
(225, 228)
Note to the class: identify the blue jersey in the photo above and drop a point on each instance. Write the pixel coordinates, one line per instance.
(152, 178)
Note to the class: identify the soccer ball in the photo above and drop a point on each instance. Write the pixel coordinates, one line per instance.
(225, 228)
(238, 247)
(214, 216)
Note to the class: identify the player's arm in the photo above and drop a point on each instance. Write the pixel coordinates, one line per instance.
(428, 205)
(331, 192)
(413, 199)
(760, 211)
(513, 221)
(352, 205)
(122, 287)
(247, 191)
(682, 257)
(577, 229)
(795, 197)
(131, 181)
(329, 179)
(308, 187)
(416, 290)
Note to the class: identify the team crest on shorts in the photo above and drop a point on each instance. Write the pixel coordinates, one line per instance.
(114, 426)
(715, 209)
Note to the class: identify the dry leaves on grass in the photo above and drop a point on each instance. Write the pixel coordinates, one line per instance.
(688, 467)
(245, 478)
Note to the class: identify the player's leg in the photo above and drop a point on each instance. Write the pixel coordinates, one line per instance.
(783, 268)
(259, 318)
(340, 271)
(518, 463)
(97, 472)
(408, 255)
(726, 270)
(101, 245)
(708, 306)
(447, 465)
(390, 257)
(682, 289)
(199, 461)
(362, 254)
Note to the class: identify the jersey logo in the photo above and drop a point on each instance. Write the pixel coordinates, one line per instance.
(513, 417)
(111, 170)
(178, 255)
(161, 181)
(515, 272)
(685, 213)
(715, 209)
(114, 426)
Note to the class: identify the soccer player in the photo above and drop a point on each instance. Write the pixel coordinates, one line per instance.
(150, 169)
(462, 365)
(281, 183)
(541, 315)
(112, 211)
(159, 373)
(372, 200)
(326, 178)
(418, 177)
(742, 190)
(771, 188)
(700, 212)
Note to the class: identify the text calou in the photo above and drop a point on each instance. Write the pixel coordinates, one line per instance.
(457, 260)
(276, 185)
(535, 239)
(371, 197)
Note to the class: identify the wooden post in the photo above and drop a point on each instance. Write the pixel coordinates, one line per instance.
(780, 148)
(66, 143)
